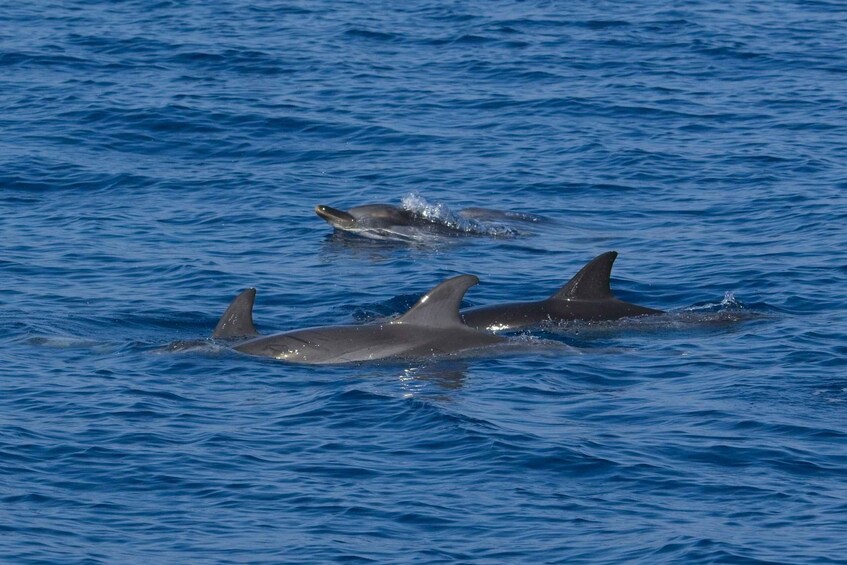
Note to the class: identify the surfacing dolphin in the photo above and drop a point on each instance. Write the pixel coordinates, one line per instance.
(381, 219)
(384, 221)
(587, 296)
(432, 327)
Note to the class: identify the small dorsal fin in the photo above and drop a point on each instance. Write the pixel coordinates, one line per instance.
(591, 282)
(440, 306)
(237, 321)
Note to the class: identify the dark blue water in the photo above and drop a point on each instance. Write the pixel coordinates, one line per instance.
(156, 158)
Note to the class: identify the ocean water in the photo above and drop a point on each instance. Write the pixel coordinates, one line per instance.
(158, 157)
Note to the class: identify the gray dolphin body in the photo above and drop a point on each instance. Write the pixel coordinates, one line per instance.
(375, 220)
(587, 296)
(431, 327)
(384, 221)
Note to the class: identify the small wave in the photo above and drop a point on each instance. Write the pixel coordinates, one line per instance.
(61, 342)
(730, 308)
(370, 34)
(729, 302)
(440, 213)
(208, 346)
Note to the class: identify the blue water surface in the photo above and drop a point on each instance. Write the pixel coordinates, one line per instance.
(158, 157)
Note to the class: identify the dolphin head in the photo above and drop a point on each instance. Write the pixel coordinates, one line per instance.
(335, 217)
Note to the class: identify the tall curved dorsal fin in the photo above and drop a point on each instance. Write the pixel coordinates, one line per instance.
(237, 321)
(591, 282)
(440, 306)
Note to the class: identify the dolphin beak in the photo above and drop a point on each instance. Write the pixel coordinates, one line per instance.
(333, 216)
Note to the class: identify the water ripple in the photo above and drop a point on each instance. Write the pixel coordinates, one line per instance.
(159, 157)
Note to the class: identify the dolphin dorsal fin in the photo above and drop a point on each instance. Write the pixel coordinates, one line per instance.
(237, 321)
(591, 282)
(440, 306)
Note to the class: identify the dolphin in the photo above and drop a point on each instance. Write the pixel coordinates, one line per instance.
(384, 221)
(587, 296)
(431, 327)
(374, 220)
(369, 216)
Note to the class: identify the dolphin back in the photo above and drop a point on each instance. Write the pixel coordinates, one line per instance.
(237, 321)
(592, 282)
(439, 308)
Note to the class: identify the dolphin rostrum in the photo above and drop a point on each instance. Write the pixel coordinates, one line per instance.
(430, 327)
(587, 296)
